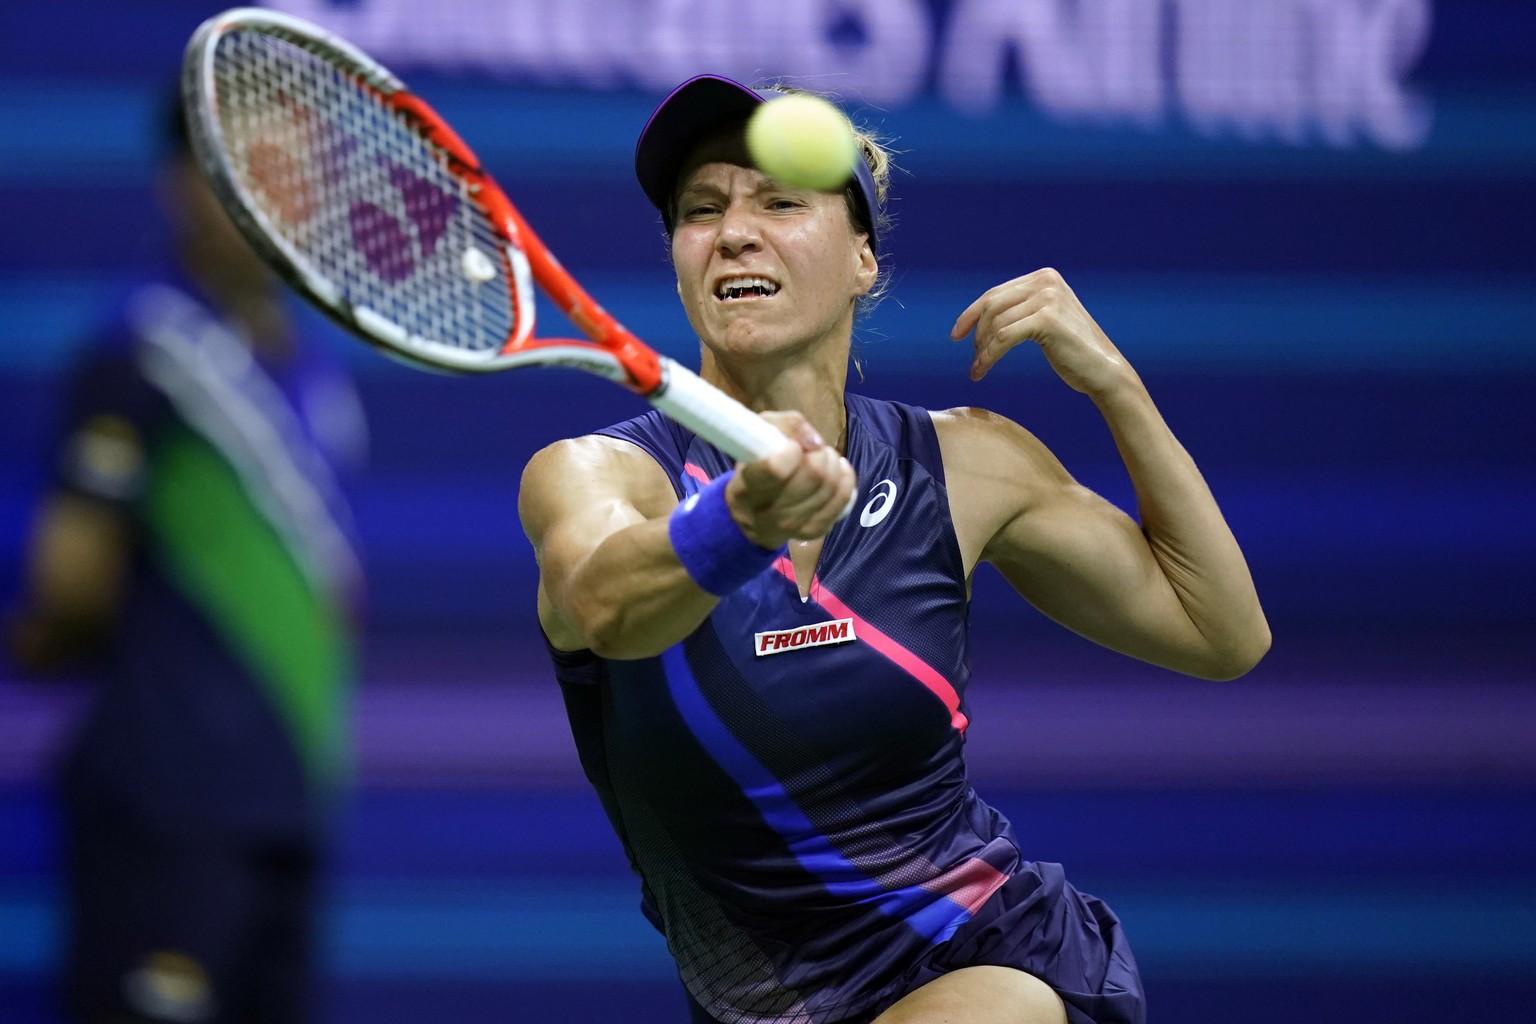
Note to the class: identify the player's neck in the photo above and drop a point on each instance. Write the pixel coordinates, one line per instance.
(815, 391)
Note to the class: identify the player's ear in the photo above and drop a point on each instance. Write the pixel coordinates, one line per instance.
(868, 268)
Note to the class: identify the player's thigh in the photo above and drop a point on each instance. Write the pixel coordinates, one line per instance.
(979, 995)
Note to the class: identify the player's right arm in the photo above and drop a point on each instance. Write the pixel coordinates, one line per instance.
(597, 511)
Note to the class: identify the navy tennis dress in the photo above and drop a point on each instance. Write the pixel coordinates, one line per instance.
(788, 782)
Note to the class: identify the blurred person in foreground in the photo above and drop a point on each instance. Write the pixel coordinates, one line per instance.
(193, 556)
(770, 699)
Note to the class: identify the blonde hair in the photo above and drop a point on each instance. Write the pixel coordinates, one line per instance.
(876, 155)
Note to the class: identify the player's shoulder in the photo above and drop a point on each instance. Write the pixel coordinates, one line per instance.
(984, 441)
(591, 451)
(588, 453)
(596, 467)
(975, 424)
(648, 437)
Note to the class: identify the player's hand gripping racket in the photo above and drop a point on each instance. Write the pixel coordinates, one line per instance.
(364, 199)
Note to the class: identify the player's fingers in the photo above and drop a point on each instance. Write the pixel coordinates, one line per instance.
(1002, 334)
(812, 482)
(825, 489)
(987, 346)
(1014, 324)
(963, 323)
(795, 427)
(993, 304)
(801, 482)
(763, 480)
(759, 483)
(990, 302)
(969, 317)
(836, 505)
(800, 491)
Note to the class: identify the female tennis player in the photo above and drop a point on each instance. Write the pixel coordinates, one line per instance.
(768, 695)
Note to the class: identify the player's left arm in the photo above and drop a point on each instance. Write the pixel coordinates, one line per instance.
(1173, 589)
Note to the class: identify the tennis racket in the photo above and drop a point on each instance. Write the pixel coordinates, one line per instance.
(364, 199)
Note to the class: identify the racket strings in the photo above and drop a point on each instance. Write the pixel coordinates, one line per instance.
(359, 197)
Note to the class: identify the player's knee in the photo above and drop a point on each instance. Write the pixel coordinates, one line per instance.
(979, 995)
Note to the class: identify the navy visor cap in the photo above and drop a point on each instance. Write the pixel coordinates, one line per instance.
(695, 109)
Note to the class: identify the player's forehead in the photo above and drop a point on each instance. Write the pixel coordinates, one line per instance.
(726, 146)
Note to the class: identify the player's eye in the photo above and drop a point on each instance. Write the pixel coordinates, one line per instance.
(785, 201)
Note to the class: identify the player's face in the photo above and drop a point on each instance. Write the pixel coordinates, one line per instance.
(764, 269)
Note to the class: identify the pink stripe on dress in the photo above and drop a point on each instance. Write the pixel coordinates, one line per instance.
(970, 883)
(904, 659)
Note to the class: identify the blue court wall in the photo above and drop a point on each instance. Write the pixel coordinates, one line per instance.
(1326, 277)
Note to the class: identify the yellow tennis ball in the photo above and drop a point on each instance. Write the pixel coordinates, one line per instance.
(802, 141)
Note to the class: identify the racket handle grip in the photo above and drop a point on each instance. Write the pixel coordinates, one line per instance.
(713, 415)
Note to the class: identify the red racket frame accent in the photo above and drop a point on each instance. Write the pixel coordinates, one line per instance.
(639, 360)
(609, 351)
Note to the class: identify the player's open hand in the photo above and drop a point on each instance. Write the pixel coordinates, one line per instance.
(798, 492)
(1039, 307)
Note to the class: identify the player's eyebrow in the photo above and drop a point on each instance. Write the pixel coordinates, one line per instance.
(701, 188)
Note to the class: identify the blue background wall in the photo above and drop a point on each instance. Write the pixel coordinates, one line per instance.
(1341, 329)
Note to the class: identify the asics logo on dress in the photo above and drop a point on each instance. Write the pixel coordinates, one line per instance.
(878, 507)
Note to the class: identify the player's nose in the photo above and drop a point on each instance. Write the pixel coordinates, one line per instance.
(739, 230)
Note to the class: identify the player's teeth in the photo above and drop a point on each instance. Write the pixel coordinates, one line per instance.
(742, 286)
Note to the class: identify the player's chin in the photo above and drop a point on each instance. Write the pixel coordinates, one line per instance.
(750, 337)
(765, 310)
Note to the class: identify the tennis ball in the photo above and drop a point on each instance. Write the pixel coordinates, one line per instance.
(802, 141)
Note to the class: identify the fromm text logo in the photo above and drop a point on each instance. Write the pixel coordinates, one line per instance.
(838, 631)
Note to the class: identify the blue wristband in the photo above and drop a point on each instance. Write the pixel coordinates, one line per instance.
(713, 550)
